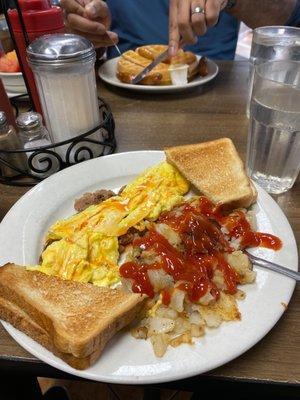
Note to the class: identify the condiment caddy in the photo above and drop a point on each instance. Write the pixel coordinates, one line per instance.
(31, 155)
(71, 124)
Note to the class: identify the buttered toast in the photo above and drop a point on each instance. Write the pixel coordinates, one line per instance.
(131, 63)
(74, 320)
(216, 170)
(23, 322)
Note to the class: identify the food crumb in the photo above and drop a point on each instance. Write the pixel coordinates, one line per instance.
(284, 305)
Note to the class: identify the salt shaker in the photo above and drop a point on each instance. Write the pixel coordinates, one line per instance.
(33, 134)
(63, 66)
(9, 141)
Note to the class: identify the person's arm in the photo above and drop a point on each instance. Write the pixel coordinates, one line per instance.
(255, 13)
(191, 18)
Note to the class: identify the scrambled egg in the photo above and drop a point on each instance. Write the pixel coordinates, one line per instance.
(84, 247)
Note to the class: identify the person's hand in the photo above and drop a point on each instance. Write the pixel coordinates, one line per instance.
(89, 18)
(186, 24)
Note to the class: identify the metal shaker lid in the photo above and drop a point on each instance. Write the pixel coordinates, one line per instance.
(3, 119)
(59, 49)
(28, 121)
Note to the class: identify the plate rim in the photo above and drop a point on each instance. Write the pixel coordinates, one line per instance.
(124, 379)
(11, 74)
(157, 88)
(12, 94)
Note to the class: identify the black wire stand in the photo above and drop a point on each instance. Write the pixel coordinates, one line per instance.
(45, 160)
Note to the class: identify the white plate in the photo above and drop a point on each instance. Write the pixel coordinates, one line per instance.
(125, 359)
(13, 82)
(107, 73)
(10, 95)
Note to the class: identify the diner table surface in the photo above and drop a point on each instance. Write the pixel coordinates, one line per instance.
(154, 121)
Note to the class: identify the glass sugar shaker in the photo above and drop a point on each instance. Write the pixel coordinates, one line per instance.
(33, 134)
(9, 140)
(63, 66)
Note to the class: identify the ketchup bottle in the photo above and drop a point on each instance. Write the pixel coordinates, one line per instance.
(40, 18)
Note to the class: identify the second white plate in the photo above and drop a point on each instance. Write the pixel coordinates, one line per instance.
(108, 70)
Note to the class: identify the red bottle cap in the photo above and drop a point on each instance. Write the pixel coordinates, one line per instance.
(38, 15)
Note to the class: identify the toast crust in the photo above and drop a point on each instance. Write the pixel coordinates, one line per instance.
(79, 318)
(20, 320)
(216, 170)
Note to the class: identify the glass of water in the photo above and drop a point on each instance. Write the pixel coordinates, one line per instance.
(272, 43)
(273, 152)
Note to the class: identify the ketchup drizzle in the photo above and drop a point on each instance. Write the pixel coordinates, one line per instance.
(204, 244)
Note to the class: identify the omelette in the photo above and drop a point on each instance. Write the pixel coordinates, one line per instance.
(84, 247)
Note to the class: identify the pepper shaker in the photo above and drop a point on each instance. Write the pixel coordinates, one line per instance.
(33, 134)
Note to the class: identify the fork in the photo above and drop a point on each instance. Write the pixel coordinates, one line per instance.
(274, 267)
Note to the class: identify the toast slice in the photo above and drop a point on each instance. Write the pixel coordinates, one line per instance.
(216, 170)
(79, 318)
(21, 320)
(132, 63)
(152, 51)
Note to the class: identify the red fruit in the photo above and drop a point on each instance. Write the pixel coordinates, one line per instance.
(9, 64)
(11, 55)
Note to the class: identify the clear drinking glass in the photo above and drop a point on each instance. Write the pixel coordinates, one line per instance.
(273, 153)
(272, 43)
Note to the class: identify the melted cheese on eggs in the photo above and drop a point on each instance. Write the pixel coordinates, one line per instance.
(84, 247)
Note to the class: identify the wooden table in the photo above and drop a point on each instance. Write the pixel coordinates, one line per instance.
(153, 122)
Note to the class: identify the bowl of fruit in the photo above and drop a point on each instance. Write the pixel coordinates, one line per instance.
(10, 73)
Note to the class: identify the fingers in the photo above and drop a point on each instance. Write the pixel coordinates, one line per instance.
(198, 19)
(184, 25)
(212, 12)
(97, 9)
(90, 18)
(72, 6)
(98, 41)
(173, 29)
(83, 2)
(92, 30)
(83, 25)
